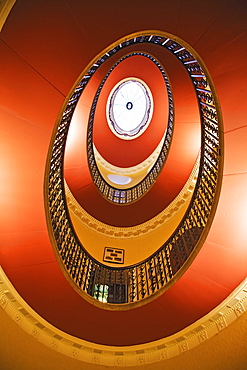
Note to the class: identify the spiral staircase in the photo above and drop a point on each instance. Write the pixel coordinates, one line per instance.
(196, 318)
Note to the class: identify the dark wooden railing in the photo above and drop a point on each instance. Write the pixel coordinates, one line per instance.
(134, 283)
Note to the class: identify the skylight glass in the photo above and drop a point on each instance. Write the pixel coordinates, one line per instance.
(129, 108)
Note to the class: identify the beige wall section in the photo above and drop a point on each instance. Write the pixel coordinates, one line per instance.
(225, 351)
(159, 354)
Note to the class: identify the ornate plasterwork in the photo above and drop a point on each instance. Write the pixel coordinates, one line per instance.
(137, 355)
(139, 230)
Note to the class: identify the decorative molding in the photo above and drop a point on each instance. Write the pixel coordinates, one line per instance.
(136, 355)
(139, 230)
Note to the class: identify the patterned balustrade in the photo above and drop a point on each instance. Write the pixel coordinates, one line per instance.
(127, 196)
(150, 277)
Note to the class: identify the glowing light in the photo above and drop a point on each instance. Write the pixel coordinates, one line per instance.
(118, 179)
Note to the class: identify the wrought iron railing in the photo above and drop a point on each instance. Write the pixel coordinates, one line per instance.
(155, 274)
(129, 195)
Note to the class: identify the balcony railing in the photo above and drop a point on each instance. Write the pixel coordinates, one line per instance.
(155, 274)
(132, 194)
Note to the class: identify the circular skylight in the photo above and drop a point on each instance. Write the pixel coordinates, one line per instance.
(129, 108)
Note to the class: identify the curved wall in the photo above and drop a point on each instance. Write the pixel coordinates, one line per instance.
(38, 68)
